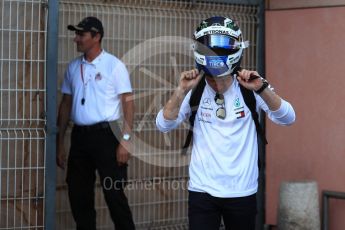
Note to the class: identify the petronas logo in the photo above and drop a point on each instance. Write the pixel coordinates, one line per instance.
(237, 103)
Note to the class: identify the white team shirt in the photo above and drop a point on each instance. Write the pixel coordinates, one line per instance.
(100, 83)
(224, 159)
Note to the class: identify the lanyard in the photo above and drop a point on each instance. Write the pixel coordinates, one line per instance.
(84, 86)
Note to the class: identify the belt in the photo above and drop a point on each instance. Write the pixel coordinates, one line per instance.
(89, 128)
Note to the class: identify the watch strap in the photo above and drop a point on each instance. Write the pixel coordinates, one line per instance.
(263, 87)
(126, 137)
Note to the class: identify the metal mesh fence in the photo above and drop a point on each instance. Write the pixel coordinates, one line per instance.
(22, 118)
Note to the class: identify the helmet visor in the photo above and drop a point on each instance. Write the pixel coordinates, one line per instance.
(217, 44)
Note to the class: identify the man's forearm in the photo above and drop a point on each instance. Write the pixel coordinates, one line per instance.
(172, 107)
(272, 100)
(128, 112)
(62, 126)
(63, 118)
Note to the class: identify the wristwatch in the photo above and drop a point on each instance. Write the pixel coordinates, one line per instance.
(126, 137)
(263, 87)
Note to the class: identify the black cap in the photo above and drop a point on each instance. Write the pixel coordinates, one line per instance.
(88, 24)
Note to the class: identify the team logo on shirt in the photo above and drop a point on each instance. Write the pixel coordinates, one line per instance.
(207, 101)
(204, 115)
(237, 102)
(240, 114)
(98, 77)
(206, 104)
(238, 109)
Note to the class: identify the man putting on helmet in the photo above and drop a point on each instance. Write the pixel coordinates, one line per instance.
(218, 99)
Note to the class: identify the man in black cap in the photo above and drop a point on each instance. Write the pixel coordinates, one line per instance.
(96, 86)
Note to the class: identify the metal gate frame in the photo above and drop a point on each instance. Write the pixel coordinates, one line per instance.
(51, 76)
(22, 114)
(51, 129)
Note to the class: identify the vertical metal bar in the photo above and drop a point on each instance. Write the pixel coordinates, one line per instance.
(326, 195)
(1, 77)
(51, 76)
(16, 116)
(324, 211)
(17, 58)
(8, 180)
(22, 178)
(262, 147)
(25, 25)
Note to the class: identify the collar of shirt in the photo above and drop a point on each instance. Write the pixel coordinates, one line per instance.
(94, 61)
(228, 91)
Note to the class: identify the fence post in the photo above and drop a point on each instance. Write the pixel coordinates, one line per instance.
(51, 79)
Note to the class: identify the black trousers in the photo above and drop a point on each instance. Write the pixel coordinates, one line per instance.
(205, 212)
(94, 149)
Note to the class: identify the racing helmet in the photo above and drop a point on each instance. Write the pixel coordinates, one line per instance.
(218, 46)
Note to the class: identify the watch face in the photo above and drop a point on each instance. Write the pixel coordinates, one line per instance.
(126, 137)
